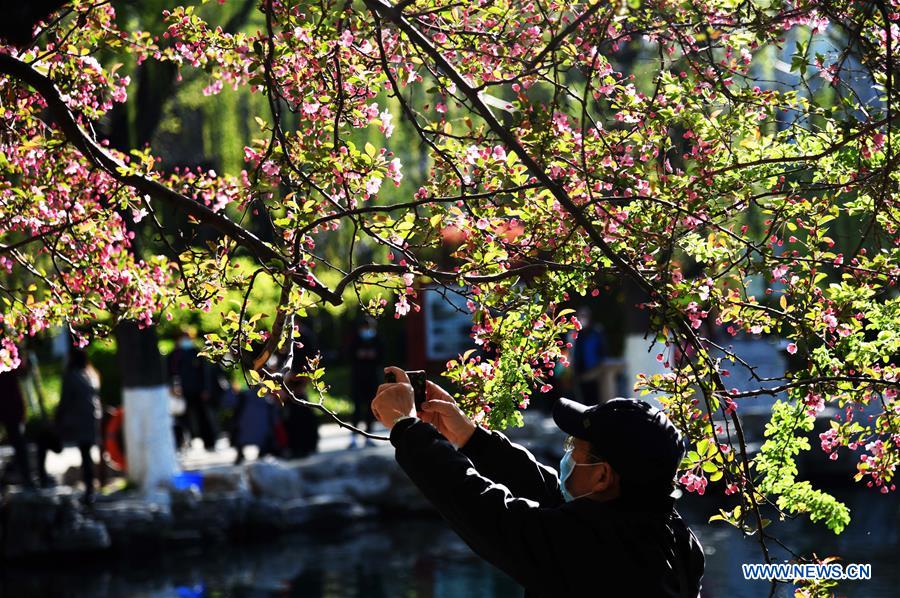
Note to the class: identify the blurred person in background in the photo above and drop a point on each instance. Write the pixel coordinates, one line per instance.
(301, 424)
(78, 413)
(12, 417)
(190, 378)
(589, 351)
(366, 353)
(255, 421)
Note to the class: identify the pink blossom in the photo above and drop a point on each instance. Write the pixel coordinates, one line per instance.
(693, 482)
(138, 214)
(814, 404)
(394, 171)
(387, 126)
(9, 355)
(271, 168)
(213, 88)
(401, 308)
(373, 184)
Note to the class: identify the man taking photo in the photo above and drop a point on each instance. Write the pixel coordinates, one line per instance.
(605, 527)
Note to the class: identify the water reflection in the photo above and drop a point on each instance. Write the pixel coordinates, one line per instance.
(873, 537)
(421, 558)
(417, 558)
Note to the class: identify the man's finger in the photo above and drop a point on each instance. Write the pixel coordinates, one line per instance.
(399, 374)
(377, 396)
(433, 391)
(389, 385)
(443, 407)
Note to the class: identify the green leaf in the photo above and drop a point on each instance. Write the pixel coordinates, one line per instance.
(703, 447)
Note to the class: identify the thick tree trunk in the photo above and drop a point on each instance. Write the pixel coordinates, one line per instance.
(149, 444)
(149, 439)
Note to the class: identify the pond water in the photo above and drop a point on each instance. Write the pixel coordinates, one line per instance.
(421, 558)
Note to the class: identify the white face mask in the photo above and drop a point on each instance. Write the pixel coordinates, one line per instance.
(186, 343)
(566, 466)
(367, 334)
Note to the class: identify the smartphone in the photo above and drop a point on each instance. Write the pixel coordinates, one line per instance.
(417, 380)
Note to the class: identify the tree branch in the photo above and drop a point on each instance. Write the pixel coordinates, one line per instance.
(391, 13)
(104, 160)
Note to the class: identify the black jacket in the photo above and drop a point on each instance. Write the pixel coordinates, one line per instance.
(509, 510)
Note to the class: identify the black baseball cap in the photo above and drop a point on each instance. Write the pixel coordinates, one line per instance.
(633, 436)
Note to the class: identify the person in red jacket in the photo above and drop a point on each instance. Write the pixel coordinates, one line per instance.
(606, 527)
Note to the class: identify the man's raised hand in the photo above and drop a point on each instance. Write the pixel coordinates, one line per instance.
(442, 412)
(394, 399)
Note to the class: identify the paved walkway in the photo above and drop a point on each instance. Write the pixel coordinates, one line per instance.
(331, 438)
